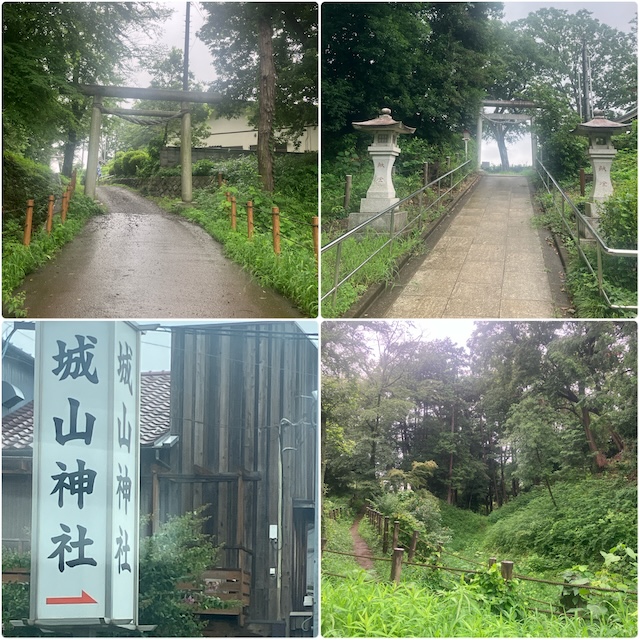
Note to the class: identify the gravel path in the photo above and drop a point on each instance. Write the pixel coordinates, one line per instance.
(138, 261)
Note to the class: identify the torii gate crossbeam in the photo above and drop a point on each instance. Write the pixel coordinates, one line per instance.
(516, 104)
(184, 97)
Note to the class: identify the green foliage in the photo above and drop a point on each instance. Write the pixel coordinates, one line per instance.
(48, 49)
(18, 261)
(594, 514)
(178, 552)
(502, 596)
(231, 33)
(355, 251)
(619, 219)
(204, 167)
(416, 511)
(357, 607)
(130, 163)
(22, 180)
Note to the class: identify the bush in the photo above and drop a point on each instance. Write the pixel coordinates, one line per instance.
(178, 551)
(22, 180)
(595, 514)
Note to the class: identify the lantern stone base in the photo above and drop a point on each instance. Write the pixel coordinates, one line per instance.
(382, 224)
(592, 213)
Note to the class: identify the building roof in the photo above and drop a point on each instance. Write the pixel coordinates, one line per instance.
(17, 427)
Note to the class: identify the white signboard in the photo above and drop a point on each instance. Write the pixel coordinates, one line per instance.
(84, 558)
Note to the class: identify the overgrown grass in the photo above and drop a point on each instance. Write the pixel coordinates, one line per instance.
(619, 229)
(357, 607)
(18, 261)
(590, 539)
(594, 515)
(381, 268)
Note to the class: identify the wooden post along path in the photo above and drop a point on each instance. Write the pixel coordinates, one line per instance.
(396, 565)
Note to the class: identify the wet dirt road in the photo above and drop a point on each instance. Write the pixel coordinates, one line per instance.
(138, 261)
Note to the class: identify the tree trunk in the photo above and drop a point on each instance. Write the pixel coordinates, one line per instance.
(267, 99)
(69, 152)
(502, 147)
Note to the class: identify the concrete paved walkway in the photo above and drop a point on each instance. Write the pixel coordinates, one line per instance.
(488, 263)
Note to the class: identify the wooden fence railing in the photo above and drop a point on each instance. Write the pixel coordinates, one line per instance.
(52, 209)
(275, 224)
(382, 526)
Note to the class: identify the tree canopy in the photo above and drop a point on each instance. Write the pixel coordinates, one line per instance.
(425, 61)
(265, 56)
(50, 48)
(527, 404)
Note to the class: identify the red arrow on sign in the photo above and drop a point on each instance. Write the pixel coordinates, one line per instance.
(85, 598)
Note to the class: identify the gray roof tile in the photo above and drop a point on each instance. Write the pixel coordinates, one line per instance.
(17, 427)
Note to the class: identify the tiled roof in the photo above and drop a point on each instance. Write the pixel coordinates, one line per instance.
(17, 427)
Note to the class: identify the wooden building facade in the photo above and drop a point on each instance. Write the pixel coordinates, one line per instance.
(244, 413)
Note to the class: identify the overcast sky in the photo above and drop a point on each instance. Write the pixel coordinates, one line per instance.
(616, 14)
(155, 345)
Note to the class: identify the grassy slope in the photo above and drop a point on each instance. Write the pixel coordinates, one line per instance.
(439, 604)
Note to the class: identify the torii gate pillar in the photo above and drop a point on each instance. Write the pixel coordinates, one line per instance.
(94, 149)
(185, 153)
(479, 139)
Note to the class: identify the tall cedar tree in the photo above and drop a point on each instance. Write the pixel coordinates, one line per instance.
(265, 55)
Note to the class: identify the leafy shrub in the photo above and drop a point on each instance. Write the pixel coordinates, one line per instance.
(204, 167)
(595, 514)
(178, 551)
(22, 180)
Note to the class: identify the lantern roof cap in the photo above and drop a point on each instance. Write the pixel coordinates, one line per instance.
(383, 121)
(600, 124)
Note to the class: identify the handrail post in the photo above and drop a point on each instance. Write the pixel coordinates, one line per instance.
(65, 205)
(315, 223)
(233, 212)
(412, 547)
(506, 569)
(250, 219)
(396, 533)
(599, 263)
(336, 273)
(347, 193)
(275, 214)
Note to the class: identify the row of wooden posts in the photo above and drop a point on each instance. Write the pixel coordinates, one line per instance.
(66, 197)
(382, 524)
(275, 215)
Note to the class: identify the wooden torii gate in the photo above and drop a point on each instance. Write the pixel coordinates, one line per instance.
(183, 97)
(506, 118)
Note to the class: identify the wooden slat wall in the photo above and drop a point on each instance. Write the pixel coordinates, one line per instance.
(233, 392)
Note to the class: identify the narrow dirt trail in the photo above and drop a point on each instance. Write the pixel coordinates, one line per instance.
(138, 261)
(360, 546)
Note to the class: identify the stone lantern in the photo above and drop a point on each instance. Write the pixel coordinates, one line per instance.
(383, 151)
(601, 151)
(466, 136)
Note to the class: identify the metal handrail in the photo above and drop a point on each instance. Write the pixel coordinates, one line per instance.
(582, 223)
(337, 243)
